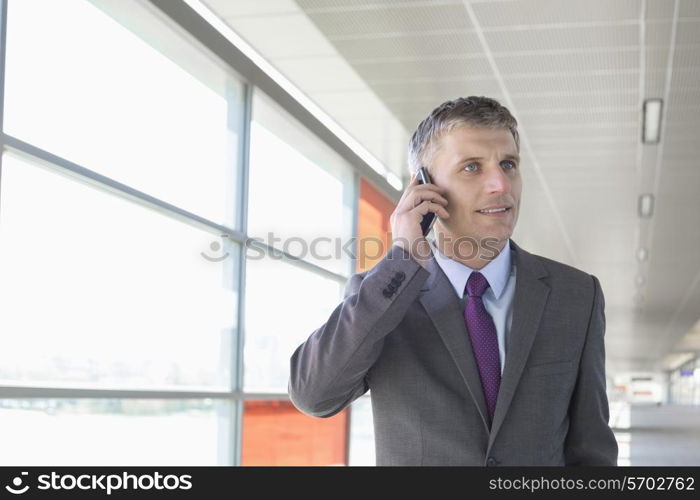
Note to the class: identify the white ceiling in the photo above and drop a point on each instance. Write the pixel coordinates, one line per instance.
(575, 75)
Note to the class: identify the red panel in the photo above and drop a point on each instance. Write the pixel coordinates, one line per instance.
(373, 226)
(276, 433)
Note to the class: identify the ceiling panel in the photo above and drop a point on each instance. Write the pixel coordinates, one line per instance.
(569, 61)
(689, 8)
(414, 88)
(397, 19)
(563, 38)
(344, 5)
(579, 116)
(581, 81)
(243, 8)
(688, 32)
(460, 67)
(659, 9)
(306, 43)
(578, 100)
(538, 12)
(658, 33)
(397, 45)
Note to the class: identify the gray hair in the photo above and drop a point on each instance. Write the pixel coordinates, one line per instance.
(462, 111)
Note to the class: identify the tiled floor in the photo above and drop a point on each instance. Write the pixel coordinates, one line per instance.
(656, 435)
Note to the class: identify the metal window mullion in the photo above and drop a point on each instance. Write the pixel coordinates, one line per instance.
(68, 392)
(296, 261)
(244, 113)
(353, 269)
(3, 48)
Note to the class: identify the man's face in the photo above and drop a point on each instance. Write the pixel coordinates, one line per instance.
(480, 168)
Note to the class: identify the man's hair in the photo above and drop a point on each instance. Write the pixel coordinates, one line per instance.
(463, 111)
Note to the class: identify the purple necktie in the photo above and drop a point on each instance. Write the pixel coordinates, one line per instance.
(482, 333)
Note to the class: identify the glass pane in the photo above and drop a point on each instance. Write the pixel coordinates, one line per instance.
(301, 191)
(284, 305)
(116, 432)
(362, 451)
(99, 291)
(276, 433)
(117, 105)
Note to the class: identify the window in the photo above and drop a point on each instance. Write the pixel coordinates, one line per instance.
(362, 449)
(292, 175)
(117, 105)
(101, 432)
(106, 292)
(284, 305)
(122, 158)
(101, 292)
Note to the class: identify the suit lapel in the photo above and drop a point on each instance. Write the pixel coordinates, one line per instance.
(445, 311)
(529, 301)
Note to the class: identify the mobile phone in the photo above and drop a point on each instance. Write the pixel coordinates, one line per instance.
(429, 218)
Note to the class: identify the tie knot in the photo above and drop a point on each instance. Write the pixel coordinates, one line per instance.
(476, 284)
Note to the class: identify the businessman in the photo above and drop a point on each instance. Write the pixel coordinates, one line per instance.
(476, 351)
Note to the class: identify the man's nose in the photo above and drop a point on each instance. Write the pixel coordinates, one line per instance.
(497, 180)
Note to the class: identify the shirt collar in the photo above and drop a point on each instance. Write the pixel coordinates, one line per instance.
(496, 272)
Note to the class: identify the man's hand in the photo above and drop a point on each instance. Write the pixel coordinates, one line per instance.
(416, 201)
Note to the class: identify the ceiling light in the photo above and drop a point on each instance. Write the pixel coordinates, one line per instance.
(651, 128)
(642, 254)
(646, 205)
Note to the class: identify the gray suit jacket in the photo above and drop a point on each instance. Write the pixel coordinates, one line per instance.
(400, 332)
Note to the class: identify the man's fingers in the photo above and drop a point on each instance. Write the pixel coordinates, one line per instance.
(407, 191)
(428, 206)
(419, 192)
(421, 196)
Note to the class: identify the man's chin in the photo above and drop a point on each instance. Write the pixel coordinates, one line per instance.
(489, 240)
(501, 233)
(484, 236)
(492, 234)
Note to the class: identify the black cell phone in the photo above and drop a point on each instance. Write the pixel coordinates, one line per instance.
(429, 218)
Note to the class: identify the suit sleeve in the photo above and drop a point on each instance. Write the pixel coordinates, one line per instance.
(329, 370)
(590, 440)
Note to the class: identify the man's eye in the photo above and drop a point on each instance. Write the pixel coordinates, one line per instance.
(466, 167)
(512, 164)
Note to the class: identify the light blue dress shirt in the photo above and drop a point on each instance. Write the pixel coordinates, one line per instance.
(498, 298)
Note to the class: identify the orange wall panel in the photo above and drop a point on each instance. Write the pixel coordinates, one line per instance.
(276, 433)
(373, 226)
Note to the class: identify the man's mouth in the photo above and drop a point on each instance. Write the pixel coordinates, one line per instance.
(497, 210)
